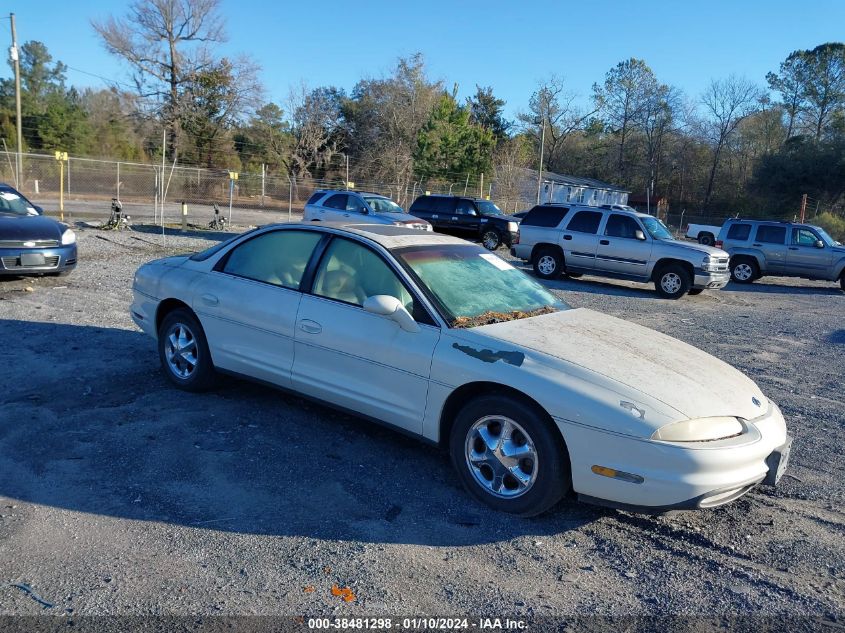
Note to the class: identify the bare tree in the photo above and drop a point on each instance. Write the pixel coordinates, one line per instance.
(166, 44)
(727, 102)
(316, 126)
(511, 160)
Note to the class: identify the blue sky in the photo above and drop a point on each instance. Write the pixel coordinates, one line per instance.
(507, 45)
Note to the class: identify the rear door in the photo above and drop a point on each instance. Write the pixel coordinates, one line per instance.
(248, 304)
(442, 210)
(465, 221)
(423, 208)
(771, 240)
(334, 208)
(804, 257)
(579, 239)
(619, 250)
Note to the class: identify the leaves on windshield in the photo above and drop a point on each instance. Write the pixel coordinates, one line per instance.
(489, 317)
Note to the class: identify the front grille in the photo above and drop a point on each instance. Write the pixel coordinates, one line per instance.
(12, 263)
(28, 243)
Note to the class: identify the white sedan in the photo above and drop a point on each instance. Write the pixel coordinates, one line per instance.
(446, 341)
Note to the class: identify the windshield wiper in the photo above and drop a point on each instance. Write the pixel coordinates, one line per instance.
(491, 316)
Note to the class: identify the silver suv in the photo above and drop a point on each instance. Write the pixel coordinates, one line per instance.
(358, 207)
(574, 240)
(761, 247)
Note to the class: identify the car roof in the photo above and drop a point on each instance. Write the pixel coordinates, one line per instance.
(387, 235)
(369, 194)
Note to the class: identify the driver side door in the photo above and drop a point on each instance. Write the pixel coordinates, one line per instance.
(804, 257)
(356, 359)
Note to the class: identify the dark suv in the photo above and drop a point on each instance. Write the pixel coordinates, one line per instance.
(469, 218)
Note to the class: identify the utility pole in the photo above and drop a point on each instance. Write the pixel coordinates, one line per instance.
(347, 171)
(542, 149)
(13, 52)
(803, 207)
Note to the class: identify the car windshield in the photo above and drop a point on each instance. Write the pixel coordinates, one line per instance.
(656, 228)
(826, 238)
(474, 287)
(11, 202)
(485, 206)
(384, 205)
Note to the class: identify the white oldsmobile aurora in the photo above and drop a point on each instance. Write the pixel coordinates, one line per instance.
(446, 341)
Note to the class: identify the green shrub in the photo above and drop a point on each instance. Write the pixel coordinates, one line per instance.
(833, 224)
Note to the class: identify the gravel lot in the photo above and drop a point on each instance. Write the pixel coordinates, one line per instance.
(120, 495)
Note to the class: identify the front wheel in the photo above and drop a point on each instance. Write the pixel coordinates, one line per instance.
(548, 263)
(744, 271)
(672, 282)
(491, 240)
(183, 351)
(509, 456)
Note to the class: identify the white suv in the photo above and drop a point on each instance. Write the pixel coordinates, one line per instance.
(358, 207)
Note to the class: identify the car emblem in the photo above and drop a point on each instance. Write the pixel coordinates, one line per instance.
(756, 402)
(29, 244)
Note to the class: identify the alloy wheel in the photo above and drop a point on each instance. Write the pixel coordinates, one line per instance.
(180, 350)
(743, 272)
(546, 264)
(671, 283)
(501, 456)
(490, 240)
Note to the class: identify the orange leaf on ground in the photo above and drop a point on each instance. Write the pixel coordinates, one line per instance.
(336, 591)
(308, 589)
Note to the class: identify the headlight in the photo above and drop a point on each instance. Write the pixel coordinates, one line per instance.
(699, 430)
(68, 237)
(709, 265)
(513, 227)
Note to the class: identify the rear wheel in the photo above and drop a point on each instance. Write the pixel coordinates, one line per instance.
(744, 270)
(491, 240)
(509, 456)
(548, 263)
(183, 351)
(672, 281)
(706, 239)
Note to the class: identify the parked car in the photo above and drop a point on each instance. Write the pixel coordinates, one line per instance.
(327, 205)
(791, 249)
(576, 240)
(445, 341)
(32, 243)
(469, 218)
(703, 233)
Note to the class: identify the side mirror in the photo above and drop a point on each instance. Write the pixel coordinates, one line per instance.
(365, 211)
(392, 308)
(819, 244)
(639, 235)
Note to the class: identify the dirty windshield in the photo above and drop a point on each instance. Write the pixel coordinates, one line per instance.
(472, 286)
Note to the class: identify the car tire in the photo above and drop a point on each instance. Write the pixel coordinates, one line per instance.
(695, 291)
(491, 240)
(537, 451)
(842, 281)
(183, 350)
(744, 270)
(706, 239)
(672, 281)
(548, 263)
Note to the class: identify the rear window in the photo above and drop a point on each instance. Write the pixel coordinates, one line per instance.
(315, 196)
(585, 222)
(739, 232)
(545, 216)
(771, 234)
(337, 201)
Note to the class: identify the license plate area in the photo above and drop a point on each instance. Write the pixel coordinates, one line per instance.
(32, 260)
(777, 463)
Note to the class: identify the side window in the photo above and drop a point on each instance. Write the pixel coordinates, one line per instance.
(804, 237)
(315, 196)
(351, 272)
(443, 205)
(585, 222)
(622, 226)
(465, 207)
(739, 232)
(546, 217)
(423, 203)
(337, 201)
(355, 204)
(277, 258)
(769, 234)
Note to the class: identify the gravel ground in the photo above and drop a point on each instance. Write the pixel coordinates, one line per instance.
(120, 495)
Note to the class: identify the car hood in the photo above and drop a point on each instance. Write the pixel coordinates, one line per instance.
(401, 217)
(29, 227)
(690, 381)
(692, 246)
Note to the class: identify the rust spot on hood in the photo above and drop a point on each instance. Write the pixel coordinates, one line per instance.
(489, 356)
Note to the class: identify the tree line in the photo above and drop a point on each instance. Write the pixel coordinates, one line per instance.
(740, 147)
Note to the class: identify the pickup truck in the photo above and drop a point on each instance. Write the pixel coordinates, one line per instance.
(704, 233)
(469, 218)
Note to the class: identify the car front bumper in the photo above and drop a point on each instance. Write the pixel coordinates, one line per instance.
(671, 476)
(704, 279)
(56, 259)
(143, 311)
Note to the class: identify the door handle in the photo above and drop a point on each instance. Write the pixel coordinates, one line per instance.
(454, 218)
(567, 237)
(346, 215)
(604, 242)
(793, 248)
(756, 245)
(435, 216)
(209, 300)
(309, 326)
